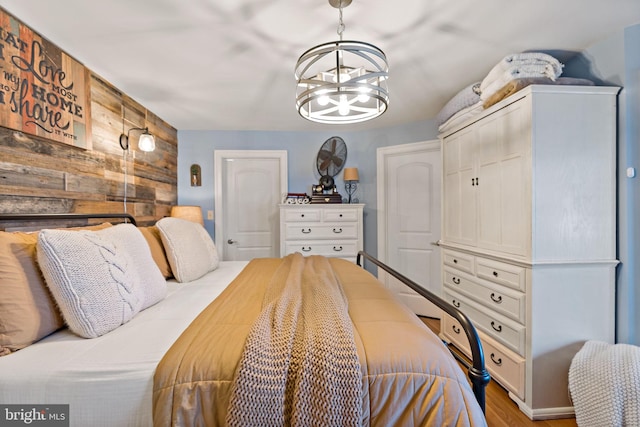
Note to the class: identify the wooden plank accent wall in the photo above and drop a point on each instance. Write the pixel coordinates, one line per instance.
(39, 175)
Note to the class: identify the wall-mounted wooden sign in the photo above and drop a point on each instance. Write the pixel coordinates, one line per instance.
(43, 91)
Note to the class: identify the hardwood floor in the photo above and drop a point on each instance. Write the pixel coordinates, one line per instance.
(501, 411)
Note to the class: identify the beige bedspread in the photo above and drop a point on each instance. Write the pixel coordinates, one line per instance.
(408, 375)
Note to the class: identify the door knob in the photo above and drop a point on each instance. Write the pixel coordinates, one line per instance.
(231, 241)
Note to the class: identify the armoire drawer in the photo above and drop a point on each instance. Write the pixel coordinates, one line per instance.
(504, 330)
(495, 297)
(509, 275)
(317, 231)
(459, 260)
(504, 365)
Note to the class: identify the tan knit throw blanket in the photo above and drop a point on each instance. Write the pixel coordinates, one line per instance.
(300, 364)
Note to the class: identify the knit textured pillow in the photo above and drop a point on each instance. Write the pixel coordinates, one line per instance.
(100, 279)
(190, 250)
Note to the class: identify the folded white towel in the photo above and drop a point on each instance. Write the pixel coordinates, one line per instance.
(498, 80)
(527, 62)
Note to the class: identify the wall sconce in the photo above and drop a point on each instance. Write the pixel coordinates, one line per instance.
(196, 175)
(190, 213)
(351, 182)
(146, 142)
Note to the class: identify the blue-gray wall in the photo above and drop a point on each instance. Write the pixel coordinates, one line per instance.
(302, 148)
(613, 61)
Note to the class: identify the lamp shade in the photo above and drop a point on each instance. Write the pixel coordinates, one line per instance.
(146, 142)
(351, 174)
(190, 213)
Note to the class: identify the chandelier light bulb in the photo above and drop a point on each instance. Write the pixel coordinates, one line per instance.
(363, 96)
(343, 107)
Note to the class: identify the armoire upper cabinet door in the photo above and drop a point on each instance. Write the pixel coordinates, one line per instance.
(459, 207)
(503, 142)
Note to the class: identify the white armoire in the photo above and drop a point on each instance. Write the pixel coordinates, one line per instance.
(529, 236)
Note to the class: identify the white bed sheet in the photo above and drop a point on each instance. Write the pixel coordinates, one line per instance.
(108, 381)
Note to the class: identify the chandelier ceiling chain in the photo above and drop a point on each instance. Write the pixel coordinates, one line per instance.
(342, 81)
(341, 26)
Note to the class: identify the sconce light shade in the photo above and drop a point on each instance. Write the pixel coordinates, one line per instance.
(146, 142)
(351, 174)
(190, 213)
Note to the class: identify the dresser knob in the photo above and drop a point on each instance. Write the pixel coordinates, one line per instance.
(495, 274)
(455, 261)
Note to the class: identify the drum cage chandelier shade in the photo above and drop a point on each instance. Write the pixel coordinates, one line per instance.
(342, 81)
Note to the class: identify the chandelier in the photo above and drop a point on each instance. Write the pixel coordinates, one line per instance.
(342, 81)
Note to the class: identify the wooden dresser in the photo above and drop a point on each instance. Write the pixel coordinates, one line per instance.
(529, 236)
(332, 230)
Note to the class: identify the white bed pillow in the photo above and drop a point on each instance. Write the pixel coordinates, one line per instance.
(190, 250)
(99, 279)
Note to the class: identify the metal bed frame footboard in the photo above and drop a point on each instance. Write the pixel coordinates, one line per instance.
(478, 374)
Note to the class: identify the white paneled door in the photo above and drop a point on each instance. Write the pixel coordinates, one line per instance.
(409, 188)
(249, 186)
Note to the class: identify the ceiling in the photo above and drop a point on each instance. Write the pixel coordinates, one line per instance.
(228, 64)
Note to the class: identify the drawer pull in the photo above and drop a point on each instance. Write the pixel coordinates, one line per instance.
(340, 215)
(455, 261)
(455, 303)
(301, 215)
(498, 361)
(306, 231)
(337, 248)
(496, 328)
(455, 280)
(496, 300)
(495, 274)
(455, 329)
(306, 248)
(337, 230)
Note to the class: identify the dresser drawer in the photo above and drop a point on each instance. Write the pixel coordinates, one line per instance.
(302, 215)
(316, 231)
(459, 260)
(504, 330)
(495, 297)
(505, 366)
(499, 272)
(338, 249)
(340, 215)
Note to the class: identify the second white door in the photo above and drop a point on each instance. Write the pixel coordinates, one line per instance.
(409, 188)
(249, 186)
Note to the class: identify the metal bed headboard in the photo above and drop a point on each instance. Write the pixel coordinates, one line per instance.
(65, 216)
